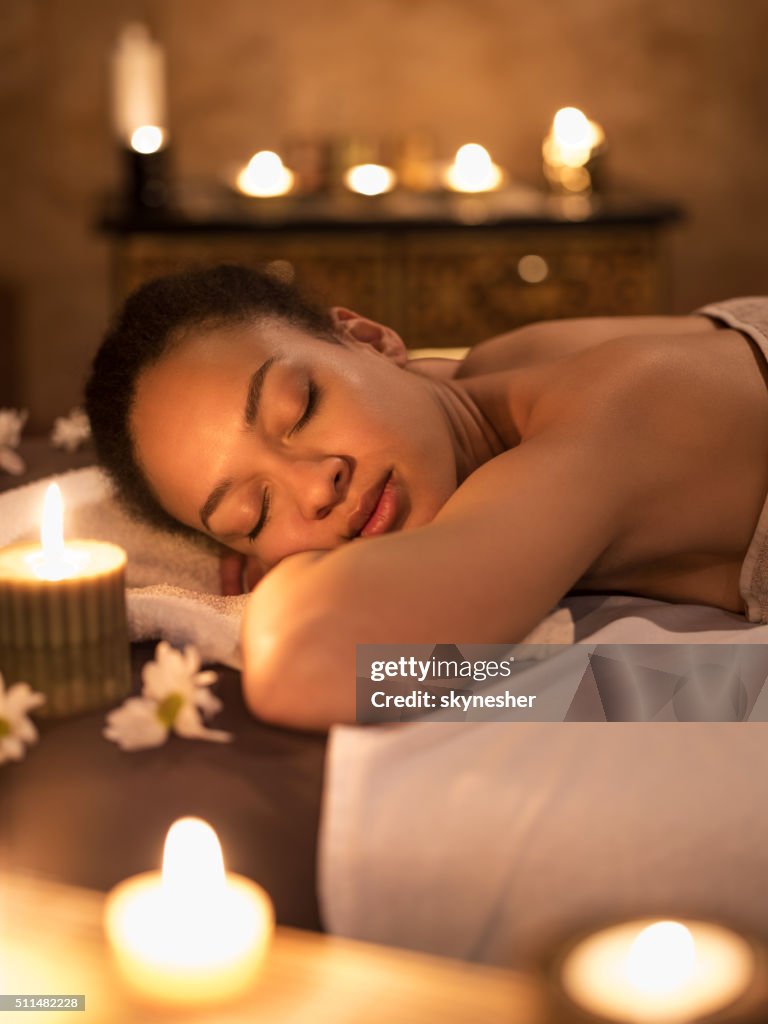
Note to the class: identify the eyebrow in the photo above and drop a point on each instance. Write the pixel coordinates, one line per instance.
(251, 410)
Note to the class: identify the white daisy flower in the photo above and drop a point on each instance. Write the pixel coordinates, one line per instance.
(71, 431)
(174, 696)
(17, 730)
(11, 425)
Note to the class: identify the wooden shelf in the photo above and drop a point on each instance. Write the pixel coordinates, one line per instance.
(443, 270)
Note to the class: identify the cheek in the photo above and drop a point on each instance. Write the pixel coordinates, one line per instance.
(415, 438)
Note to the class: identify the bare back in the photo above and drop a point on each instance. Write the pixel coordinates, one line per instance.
(703, 415)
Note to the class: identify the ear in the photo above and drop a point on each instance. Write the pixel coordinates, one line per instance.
(359, 328)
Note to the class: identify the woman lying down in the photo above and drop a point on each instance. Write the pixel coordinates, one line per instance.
(388, 501)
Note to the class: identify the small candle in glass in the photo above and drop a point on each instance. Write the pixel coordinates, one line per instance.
(569, 151)
(264, 176)
(192, 935)
(370, 179)
(473, 170)
(665, 972)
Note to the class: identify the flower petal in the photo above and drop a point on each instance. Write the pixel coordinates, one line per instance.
(206, 678)
(189, 725)
(11, 461)
(158, 684)
(207, 702)
(25, 730)
(11, 749)
(191, 659)
(135, 725)
(21, 698)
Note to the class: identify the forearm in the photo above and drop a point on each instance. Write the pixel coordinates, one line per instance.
(304, 620)
(490, 566)
(296, 663)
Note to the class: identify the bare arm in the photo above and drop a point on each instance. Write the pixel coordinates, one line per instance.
(503, 550)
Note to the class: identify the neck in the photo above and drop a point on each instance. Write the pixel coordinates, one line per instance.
(478, 434)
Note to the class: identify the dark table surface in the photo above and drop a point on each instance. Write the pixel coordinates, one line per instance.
(80, 810)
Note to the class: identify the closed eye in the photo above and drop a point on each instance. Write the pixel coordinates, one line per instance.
(263, 518)
(313, 398)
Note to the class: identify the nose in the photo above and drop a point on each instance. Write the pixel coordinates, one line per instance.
(319, 485)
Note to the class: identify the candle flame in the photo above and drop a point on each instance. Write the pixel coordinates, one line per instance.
(473, 170)
(662, 958)
(193, 864)
(572, 139)
(147, 138)
(52, 527)
(370, 179)
(265, 175)
(54, 561)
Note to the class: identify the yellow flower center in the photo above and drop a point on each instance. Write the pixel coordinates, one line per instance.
(168, 708)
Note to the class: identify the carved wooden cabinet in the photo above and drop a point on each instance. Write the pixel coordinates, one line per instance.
(451, 276)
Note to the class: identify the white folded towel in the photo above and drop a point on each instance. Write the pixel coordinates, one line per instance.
(173, 582)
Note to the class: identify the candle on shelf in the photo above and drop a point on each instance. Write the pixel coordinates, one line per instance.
(138, 84)
(370, 179)
(569, 151)
(193, 934)
(666, 972)
(139, 114)
(63, 625)
(473, 170)
(265, 175)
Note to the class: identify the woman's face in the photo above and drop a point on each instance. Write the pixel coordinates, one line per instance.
(273, 441)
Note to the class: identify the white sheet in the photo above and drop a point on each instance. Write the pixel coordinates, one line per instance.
(495, 841)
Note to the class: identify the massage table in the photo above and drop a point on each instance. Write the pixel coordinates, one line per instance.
(486, 841)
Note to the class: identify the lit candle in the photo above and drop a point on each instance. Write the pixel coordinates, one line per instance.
(571, 144)
(658, 971)
(138, 90)
(473, 170)
(63, 625)
(192, 934)
(370, 179)
(265, 175)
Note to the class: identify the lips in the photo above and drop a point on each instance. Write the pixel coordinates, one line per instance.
(377, 510)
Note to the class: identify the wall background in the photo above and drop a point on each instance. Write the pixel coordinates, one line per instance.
(681, 89)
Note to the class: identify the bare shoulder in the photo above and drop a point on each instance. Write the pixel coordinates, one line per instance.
(549, 340)
(666, 416)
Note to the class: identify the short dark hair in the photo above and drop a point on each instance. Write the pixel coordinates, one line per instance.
(153, 320)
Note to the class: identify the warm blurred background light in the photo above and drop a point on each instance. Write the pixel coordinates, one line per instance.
(473, 170)
(370, 179)
(265, 175)
(678, 90)
(148, 138)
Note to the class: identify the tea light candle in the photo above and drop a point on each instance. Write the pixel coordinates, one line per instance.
(192, 934)
(569, 150)
(63, 625)
(265, 175)
(473, 170)
(370, 179)
(658, 971)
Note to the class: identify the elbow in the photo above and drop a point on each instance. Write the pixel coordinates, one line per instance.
(270, 676)
(295, 677)
(261, 695)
